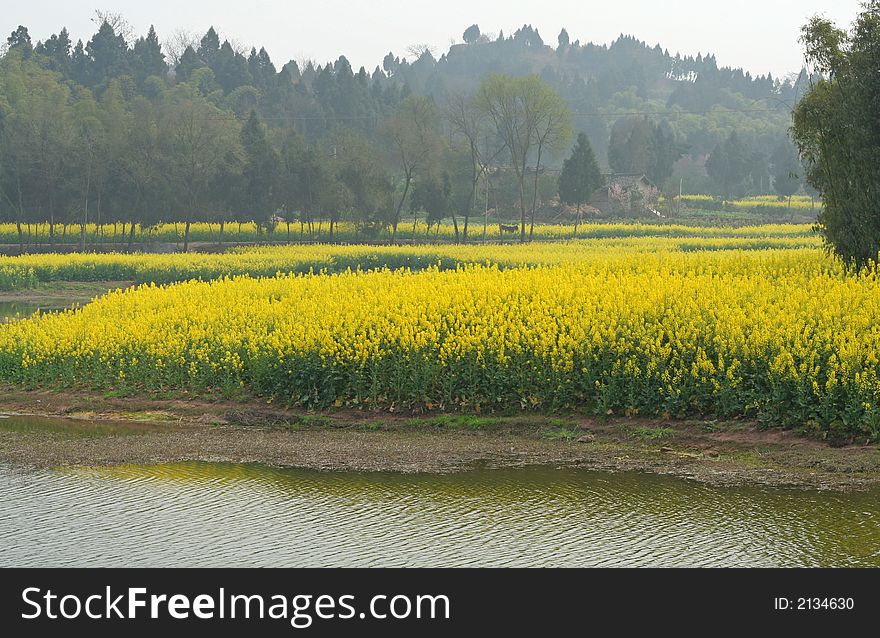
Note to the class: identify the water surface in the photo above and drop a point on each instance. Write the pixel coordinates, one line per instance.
(215, 514)
(13, 310)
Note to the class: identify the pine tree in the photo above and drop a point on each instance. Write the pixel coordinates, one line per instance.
(209, 47)
(189, 62)
(147, 57)
(580, 176)
(260, 171)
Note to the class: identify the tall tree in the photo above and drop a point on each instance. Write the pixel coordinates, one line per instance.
(20, 39)
(260, 172)
(57, 50)
(109, 56)
(412, 132)
(200, 135)
(147, 57)
(552, 132)
(209, 47)
(471, 124)
(638, 145)
(728, 164)
(143, 164)
(471, 34)
(89, 141)
(433, 195)
(522, 109)
(580, 176)
(837, 130)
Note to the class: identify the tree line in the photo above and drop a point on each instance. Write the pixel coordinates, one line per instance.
(129, 131)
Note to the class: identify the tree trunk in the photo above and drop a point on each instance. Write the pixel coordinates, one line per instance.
(535, 194)
(19, 216)
(400, 207)
(522, 203)
(186, 236)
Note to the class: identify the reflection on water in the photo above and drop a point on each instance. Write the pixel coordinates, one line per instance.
(14, 310)
(211, 514)
(70, 428)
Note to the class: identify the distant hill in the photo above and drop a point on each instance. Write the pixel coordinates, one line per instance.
(111, 127)
(701, 101)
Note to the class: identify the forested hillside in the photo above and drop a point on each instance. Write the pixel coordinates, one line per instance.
(135, 128)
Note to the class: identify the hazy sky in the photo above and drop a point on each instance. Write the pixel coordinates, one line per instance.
(759, 35)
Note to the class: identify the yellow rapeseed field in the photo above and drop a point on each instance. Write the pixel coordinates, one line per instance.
(782, 334)
(29, 270)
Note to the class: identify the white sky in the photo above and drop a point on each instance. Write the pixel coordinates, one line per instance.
(759, 35)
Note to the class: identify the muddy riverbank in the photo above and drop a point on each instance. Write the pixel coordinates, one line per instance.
(102, 430)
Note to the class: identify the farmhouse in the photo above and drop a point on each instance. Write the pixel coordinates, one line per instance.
(625, 194)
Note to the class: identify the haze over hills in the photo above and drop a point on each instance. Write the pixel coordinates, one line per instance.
(701, 101)
(600, 82)
(95, 98)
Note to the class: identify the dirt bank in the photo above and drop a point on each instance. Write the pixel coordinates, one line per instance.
(62, 294)
(106, 430)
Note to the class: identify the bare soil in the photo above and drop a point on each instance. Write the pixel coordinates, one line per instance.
(159, 430)
(62, 294)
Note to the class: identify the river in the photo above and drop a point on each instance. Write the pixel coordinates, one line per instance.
(219, 514)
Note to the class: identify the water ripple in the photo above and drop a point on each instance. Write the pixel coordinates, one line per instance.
(211, 514)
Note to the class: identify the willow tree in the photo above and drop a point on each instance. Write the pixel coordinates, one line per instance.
(837, 130)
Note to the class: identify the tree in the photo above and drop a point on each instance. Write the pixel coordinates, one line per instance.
(433, 195)
(21, 39)
(638, 145)
(199, 137)
(728, 164)
(412, 132)
(786, 169)
(563, 39)
(837, 131)
(527, 114)
(143, 163)
(89, 141)
(209, 47)
(471, 34)
(109, 56)
(57, 50)
(147, 57)
(189, 62)
(552, 131)
(260, 172)
(471, 124)
(291, 161)
(580, 176)
(35, 140)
